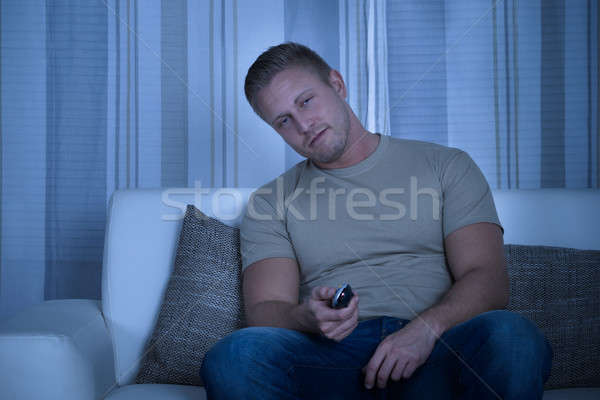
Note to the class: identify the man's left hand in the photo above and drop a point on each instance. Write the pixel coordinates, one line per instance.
(400, 354)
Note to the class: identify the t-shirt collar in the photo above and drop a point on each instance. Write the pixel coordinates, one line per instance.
(361, 166)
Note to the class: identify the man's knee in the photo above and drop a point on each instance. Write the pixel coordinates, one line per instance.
(512, 338)
(508, 328)
(512, 358)
(255, 358)
(240, 352)
(237, 349)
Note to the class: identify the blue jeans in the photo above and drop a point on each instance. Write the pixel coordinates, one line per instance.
(498, 354)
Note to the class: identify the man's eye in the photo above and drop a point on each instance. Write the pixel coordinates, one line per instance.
(306, 101)
(283, 122)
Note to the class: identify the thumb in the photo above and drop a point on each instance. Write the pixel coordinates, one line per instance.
(322, 293)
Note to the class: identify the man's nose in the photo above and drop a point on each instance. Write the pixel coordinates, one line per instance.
(305, 123)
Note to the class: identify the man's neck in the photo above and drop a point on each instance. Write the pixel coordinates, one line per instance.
(359, 146)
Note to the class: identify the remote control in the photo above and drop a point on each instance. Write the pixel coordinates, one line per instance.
(342, 296)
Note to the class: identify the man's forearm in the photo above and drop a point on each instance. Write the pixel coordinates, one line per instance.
(476, 292)
(280, 314)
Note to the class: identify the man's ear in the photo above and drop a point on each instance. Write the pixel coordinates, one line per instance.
(337, 83)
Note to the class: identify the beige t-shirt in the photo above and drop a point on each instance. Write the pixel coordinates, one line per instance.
(378, 225)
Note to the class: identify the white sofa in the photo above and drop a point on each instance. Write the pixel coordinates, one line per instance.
(87, 349)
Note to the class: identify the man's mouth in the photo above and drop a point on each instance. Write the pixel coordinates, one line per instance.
(316, 137)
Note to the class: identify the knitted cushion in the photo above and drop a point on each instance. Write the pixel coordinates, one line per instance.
(202, 302)
(559, 290)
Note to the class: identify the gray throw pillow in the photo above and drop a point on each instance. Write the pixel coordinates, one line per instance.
(559, 290)
(202, 302)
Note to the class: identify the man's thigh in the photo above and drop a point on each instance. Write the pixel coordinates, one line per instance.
(437, 378)
(334, 370)
(479, 355)
(306, 365)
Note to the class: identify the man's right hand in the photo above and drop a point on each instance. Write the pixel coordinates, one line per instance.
(329, 322)
(271, 294)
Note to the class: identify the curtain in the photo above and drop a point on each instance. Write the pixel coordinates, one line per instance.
(118, 94)
(176, 72)
(364, 61)
(53, 91)
(513, 83)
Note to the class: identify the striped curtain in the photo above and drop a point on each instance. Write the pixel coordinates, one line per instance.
(111, 94)
(175, 93)
(364, 61)
(98, 96)
(514, 83)
(52, 123)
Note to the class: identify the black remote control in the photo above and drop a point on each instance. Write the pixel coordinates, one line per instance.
(342, 296)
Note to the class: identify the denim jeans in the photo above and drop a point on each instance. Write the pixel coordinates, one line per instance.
(496, 355)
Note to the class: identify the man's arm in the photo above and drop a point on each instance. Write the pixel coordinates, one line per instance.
(271, 294)
(271, 289)
(476, 259)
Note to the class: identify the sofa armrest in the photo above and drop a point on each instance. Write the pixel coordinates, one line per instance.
(59, 349)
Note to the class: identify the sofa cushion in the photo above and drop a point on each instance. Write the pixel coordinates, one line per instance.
(573, 394)
(157, 392)
(202, 302)
(559, 290)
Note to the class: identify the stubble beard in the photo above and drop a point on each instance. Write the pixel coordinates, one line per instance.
(339, 143)
(333, 153)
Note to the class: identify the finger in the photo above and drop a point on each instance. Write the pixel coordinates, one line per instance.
(338, 330)
(336, 333)
(349, 311)
(349, 321)
(353, 303)
(328, 319)
(344, 329)
(337, 324)
(398, 370)
(325, 313)
(372, 367)
(354, 309)
(409, 370)
(351, 329)
(383, 375)
(338, 315)
(322, 293)
(343, 335)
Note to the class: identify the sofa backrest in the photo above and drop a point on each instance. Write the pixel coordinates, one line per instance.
(143, 227)
(550, 217)
(140, 243)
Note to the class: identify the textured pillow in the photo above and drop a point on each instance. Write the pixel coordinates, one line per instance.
(559, 290)
(202, 302)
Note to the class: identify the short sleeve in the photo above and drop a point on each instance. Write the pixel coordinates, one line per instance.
(263, 233)
(467, 198)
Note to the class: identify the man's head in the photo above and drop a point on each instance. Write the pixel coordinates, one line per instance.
(303, 99)
(278, 58)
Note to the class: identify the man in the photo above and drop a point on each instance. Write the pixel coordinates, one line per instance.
(410, 225)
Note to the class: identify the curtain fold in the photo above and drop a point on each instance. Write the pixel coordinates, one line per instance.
(75, 146)
(513, 83)
(118, 94)
(23, 69)
(176, 72)
(364, 61)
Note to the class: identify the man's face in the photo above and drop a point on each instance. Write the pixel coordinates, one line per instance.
(309, 114)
